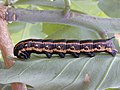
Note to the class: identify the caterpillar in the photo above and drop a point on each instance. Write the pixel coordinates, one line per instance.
(24, 48)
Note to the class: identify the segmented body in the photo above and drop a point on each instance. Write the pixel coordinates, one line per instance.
(61, 47)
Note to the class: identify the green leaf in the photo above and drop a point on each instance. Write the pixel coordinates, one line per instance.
(99, 72)
(5, 87)
(110, 7)
(113, 89)
(59, 31)
(87, 6)
(21, 31)
(53, 3)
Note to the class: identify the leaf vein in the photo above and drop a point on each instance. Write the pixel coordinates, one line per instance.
(106, 74)
(78, 74)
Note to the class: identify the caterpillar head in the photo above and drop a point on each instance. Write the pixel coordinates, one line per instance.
(20, 50)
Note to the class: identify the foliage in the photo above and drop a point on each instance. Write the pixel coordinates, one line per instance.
(101, 71)
(68, 73)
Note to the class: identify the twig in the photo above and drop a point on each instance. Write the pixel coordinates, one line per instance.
(6, 46)
(56, 16)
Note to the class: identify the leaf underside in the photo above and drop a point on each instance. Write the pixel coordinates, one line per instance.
(66, 74)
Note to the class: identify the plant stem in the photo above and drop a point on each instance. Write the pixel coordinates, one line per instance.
(67, 8)
(6, 46)
(79, 20)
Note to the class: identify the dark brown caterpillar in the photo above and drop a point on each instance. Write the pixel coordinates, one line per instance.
(61, 47)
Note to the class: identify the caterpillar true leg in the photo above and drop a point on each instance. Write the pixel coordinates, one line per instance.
(23, 55)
